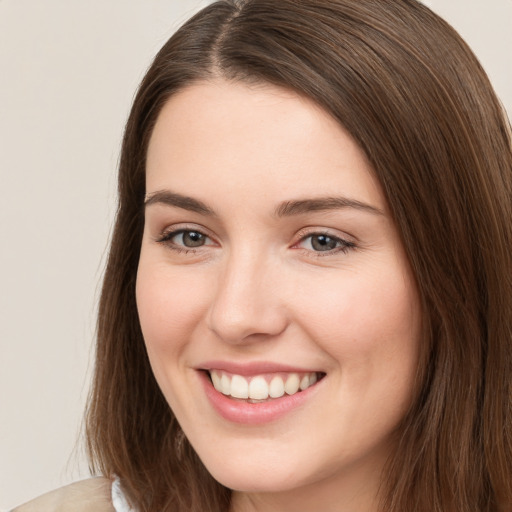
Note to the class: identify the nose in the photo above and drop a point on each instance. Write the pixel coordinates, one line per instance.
(247, 304)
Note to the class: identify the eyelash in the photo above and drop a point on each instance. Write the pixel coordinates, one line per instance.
(166, 239)
(342, 245)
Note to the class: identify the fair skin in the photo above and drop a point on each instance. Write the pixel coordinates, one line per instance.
(269, 251)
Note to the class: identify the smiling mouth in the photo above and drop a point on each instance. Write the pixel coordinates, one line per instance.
(262, 388)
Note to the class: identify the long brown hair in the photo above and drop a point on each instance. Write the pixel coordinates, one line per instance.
(415, 98)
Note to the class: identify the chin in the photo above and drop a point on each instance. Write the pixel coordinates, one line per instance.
(257, 479)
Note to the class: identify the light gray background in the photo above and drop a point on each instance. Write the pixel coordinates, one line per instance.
(68, 72)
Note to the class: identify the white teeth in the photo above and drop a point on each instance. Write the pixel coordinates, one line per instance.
(292, 384)
(276, 388)
(304, 383)
(225, 385)
(239, 387)
(216, 381)
(258, 387)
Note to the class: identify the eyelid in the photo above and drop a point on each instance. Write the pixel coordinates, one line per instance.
(347, 242)
(171, 231)
(320, 230)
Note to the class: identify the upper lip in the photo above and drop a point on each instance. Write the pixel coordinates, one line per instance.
(253, 368)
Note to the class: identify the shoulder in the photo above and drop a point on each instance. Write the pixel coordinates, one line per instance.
(91, 495)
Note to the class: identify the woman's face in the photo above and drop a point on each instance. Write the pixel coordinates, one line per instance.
(270, 265)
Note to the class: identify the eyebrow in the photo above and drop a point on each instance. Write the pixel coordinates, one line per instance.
(179, 201)
(284, 209)
(289, 208)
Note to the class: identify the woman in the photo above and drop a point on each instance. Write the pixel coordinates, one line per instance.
(307, 304)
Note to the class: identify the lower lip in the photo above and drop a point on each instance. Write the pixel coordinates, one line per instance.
(239, 411)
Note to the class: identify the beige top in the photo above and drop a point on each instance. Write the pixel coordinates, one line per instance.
(91, 495)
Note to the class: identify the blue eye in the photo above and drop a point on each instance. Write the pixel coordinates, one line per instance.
(320, 242)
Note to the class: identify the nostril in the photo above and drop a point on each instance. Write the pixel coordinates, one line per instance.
(246, 325)
(243, 309)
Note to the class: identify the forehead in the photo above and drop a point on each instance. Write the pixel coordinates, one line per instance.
(257, 141)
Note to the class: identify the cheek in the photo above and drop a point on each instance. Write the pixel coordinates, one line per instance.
(169, 306)
(370, 326)
(363, 308)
